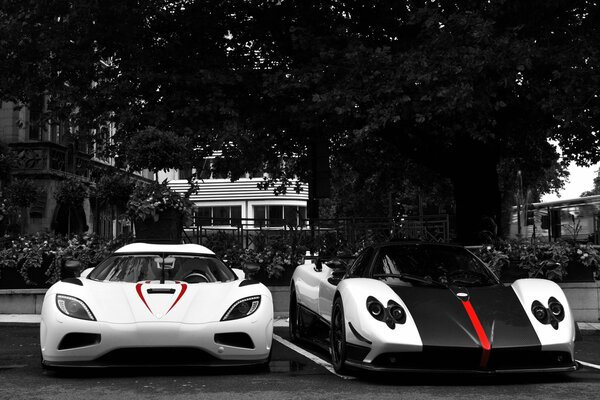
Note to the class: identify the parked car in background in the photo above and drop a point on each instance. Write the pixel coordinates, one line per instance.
(157, 304)
(414, 306)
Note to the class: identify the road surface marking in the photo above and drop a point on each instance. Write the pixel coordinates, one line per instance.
(588, 364)
(310, 356)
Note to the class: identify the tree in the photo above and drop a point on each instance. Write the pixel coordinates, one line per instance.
(596, 190)
(464, 88)
(155, 150)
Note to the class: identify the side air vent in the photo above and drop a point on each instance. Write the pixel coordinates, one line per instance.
(235, 339)
(75, 339)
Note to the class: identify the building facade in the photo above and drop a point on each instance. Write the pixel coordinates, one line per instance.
(47, 154)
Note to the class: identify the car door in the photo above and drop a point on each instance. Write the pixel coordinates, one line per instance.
(328, 286)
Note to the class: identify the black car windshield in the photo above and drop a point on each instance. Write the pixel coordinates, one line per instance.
(432, 265)
(171, 267)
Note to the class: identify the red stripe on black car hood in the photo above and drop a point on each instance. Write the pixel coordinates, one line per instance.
(443, 320)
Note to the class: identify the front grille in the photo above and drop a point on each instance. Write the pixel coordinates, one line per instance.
(156, 356)
(74, 340)
(235, 339)
(528, 359)
(431, 358)
(435, 358)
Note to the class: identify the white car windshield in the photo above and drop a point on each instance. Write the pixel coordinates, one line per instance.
(163, 267)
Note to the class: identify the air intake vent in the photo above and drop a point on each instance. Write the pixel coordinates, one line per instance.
(74, 340)
(235, 339)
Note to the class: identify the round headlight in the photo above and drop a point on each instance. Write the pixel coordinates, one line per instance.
(375, 308)
(539, 311)
(397, 313)
(73, 307)
(557, 309)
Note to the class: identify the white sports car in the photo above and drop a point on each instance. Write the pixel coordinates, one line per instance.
(157, 304)
(411, 306)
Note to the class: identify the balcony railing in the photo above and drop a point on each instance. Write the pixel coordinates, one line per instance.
(48, 157)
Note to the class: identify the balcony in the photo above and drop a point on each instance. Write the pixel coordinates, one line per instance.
(47, 158)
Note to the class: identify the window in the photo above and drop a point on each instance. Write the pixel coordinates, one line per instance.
(223, 215)
(35, 118)
(361, 264)
(203, 215)
(279, 215)
(275, 215)
(175, 267)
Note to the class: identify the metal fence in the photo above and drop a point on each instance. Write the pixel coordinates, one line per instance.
(353, 232)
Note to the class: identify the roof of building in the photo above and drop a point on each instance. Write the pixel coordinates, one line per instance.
(242, 189)
(569, 202)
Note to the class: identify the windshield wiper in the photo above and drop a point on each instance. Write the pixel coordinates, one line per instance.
(411, 278)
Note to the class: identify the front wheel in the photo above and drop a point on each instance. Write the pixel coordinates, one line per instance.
(337, 337)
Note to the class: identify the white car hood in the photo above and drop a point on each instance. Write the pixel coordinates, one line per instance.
(151, 301)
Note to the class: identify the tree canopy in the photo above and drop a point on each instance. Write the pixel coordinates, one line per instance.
(468, 89)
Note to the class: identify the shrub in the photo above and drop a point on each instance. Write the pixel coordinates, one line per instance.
(71, 192)
(541, 259)
(46, 253)
(149, 200)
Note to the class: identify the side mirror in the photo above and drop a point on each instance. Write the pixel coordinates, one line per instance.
(250, 268)
(336, 264)
(72, 265)
(336, 276)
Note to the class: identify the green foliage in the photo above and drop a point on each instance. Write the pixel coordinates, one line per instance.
(273, 255)
(18, 194)
(462, 89)
(5, 209)
(494, 258)
(47, 253)
(71, 192)
(114, 189)
(7, 161)
(155, 150)
(148, 200)
(596, 189)
(541, 260)
(22, 192)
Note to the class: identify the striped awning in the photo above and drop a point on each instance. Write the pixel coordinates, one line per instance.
(243, 189)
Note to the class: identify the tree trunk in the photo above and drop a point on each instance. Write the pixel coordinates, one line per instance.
(477, 196)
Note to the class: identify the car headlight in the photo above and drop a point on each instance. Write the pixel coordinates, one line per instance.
(557, 309)
(397, 312)
(375, 308)
(74, 307)
(242, 308)
(539, 312)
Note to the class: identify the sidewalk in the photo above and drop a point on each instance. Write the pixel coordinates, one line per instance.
(586, 328)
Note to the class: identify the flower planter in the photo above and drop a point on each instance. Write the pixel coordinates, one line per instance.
(283, 280)
(577, 272)
(168, 228)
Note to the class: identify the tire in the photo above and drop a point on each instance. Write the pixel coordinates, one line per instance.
(337, 337)
(294, 316)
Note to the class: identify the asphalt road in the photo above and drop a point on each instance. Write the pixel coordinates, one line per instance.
(291, 375)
